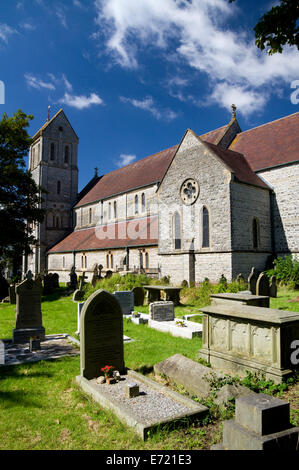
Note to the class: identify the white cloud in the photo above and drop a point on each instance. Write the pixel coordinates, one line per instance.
(195, 33)
(147, 104)
(125, 159)
(28, 26)
(81, 101)
(6, 31)
(37, 83)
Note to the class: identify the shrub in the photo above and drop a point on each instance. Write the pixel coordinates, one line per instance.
(286, 270)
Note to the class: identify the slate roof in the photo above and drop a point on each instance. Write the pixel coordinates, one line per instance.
(139, 174)
(272, 144)
(130, 233)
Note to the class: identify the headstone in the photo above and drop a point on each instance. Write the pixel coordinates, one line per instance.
(48, 284)
(138, 295)
(100, 267)
(29, 275)
(132, 390)
(11, 294)
(73, 278)
(108, 274)
(28, 312)
(273, 287)
(252, 279)
(161, 311)
(78, 295)
(2, 352)
(55, 280)
(79, 311)
(240, 279)
(262, 285)
(126, 301)
(82, 281)
(101, 335)
(3, 287)
(262, 422)
(95, 276)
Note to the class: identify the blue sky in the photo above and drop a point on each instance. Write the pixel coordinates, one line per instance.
(133, 75)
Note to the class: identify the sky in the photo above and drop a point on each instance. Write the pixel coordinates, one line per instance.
(133, 75)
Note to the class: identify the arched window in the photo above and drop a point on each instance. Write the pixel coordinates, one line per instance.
(107, 261)
(115, 209)
(141, 260)
(63, 262)
(33, 158)
(111, 261)
(143, 202)
(66, 154)
(205, 228)
(255, 233)
(90, 216)
(136, 204)
(109, 210)
(58, 187)
(146, 260)
(52, 151)
(177, 231)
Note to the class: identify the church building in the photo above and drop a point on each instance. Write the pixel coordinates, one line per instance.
(215, 203)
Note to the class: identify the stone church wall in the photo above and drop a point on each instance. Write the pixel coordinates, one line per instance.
(285, 206)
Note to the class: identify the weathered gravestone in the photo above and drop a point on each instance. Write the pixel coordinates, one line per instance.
(73, 278)
(78, 295)
(262, 422)
(139, 295)
(28, 312)
(2, 352)
(126, 301)
(48, 284)
(161, 311)
(55, 280)
(101, 335)
(79, 311)
(3, 288)
(252, 280)
(262, 285)
(273, 287)
(95, 276)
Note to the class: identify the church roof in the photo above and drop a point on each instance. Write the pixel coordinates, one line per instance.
(269, 145)
(139, 174)
(112, 236)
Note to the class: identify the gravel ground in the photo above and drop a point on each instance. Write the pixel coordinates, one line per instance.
(150, 406)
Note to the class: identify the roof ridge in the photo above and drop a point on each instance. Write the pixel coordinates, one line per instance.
(270, 122)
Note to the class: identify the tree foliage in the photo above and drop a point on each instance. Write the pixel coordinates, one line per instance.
(278, 27)
(20, 196)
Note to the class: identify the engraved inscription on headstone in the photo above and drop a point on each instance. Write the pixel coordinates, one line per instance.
(161, 311)
(28, 311)
(101, 335)
(126, 301)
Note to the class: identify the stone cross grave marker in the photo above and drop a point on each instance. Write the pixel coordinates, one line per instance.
(161, 311)
(126, 301)
(28, 312)
(101, 335)
(73, 278)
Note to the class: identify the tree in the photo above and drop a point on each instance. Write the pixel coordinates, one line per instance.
(278, 27)
(20, 196)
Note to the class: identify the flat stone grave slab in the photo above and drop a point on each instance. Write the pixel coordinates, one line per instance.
(53, 347)
(155, 406)
(178, 327)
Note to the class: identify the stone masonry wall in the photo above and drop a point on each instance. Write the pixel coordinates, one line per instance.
(285, 182)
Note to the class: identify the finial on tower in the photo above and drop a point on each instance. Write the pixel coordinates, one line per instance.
(234, 108)
(96, 171)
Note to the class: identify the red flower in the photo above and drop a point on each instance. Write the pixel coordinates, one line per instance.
(107, 371)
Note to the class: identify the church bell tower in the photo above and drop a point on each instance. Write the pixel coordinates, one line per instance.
(53, 163)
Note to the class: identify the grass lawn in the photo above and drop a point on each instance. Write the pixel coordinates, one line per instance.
(41, 407)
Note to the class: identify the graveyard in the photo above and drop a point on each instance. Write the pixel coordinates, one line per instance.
(55, 402)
